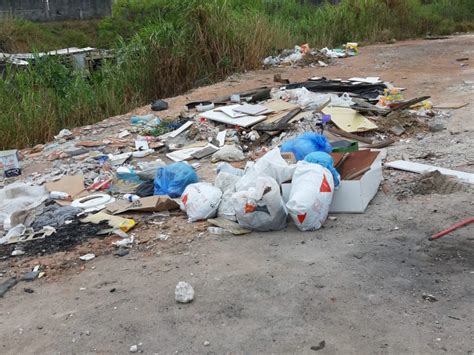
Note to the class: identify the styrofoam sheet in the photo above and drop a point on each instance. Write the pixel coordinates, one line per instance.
(424, 168)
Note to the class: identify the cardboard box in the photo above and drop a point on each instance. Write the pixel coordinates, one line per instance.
(353, 196)
(10, 163)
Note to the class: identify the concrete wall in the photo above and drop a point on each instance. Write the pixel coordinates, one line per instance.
(55, 10)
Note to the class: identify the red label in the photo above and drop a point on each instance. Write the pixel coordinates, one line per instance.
(325, 187)
(301, 217)
(185, 199)
(249, 208)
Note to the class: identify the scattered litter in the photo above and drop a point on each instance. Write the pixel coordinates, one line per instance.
(320, 346)
(87, 257)
(184, 292)
(429, 298)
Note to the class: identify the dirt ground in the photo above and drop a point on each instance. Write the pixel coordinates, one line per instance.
(357, 284)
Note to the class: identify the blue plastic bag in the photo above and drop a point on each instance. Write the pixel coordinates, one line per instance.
(326, 161)
(171, 180)
(306, 143)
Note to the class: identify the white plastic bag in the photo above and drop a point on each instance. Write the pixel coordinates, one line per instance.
(311, 194)
(200, 201)
(19, 198)
(272, 164)
(226, 183)
(260, 206)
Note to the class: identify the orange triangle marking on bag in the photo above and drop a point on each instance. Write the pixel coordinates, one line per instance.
(325, 187)
(301, 217)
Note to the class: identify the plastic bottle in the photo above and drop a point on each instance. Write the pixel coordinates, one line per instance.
(58, 195)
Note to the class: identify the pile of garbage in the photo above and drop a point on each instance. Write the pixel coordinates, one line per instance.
(305, 56)
(258, 160)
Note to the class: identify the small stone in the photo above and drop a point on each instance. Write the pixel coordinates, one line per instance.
(28, 290)
(206, 343)
(121, 252)
(88, 333)
(437, 125)
(134, 348)
(29, 276)
(184, 292)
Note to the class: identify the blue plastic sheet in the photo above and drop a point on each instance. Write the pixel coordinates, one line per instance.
(305, 144)
(171, 180)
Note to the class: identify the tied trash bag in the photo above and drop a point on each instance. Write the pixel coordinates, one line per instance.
(325, 160)
(272, 164)
(260, 206)
(310, 196)
(305, 144)
(171, 180)
(201, 200)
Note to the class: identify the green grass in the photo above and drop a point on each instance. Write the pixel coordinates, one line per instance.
(165, 47)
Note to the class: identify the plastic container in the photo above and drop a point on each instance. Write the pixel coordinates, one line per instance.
(58, 195)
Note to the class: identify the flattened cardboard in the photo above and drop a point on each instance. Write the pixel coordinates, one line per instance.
(349, 120)
(114, 222)
(145, 204)
(72, 185)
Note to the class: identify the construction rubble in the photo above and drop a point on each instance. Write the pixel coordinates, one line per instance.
(260, 160)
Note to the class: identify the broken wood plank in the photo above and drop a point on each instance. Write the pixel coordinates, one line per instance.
(281, 124)
(409, 103)
(341, 133)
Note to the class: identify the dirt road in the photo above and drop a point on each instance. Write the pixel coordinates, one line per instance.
(357, 284)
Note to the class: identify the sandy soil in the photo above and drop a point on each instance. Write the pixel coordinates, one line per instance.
(357, 284)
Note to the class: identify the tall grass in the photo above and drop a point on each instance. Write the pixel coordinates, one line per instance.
(165, 47)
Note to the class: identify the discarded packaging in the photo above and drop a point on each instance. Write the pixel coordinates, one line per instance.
(9, 163)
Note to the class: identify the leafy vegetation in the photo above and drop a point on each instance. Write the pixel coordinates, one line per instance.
(165, 47)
